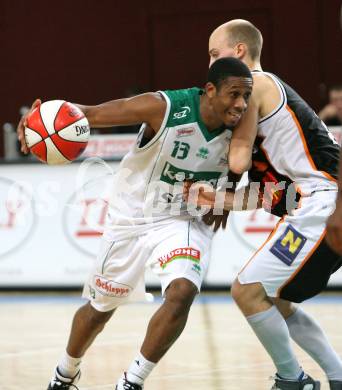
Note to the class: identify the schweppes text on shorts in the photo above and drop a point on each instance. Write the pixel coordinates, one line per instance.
(111, 288)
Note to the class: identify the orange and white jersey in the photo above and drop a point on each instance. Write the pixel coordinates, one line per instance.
(293, 146)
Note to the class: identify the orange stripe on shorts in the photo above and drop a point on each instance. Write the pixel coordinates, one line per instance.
(262, 246)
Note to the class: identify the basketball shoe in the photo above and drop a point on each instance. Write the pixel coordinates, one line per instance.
(59, 382)
(307, 383)
(124, 384)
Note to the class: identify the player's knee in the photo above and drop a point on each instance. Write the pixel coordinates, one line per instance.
(246, 293)
(180, 295)
(236, 291)
(286, 308)
(96, 318)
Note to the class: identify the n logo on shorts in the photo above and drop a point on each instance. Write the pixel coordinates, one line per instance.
(288, 245)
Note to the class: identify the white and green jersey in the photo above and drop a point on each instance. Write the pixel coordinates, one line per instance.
(148, 185)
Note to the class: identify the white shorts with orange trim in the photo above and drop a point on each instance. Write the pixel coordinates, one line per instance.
(295, 263)
(178, 250)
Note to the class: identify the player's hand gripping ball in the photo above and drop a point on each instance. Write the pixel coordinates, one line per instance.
(57, 132)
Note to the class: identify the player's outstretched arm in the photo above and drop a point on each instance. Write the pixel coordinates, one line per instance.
(146, 108)
(334, 223)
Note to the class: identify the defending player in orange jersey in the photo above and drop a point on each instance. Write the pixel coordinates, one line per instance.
(290, 154)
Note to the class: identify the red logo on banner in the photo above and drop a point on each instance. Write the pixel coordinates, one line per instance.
(16, 216)
(9, 217)
(93, 208)
(85, 213)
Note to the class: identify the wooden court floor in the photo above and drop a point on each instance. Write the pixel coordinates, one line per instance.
(216, 351)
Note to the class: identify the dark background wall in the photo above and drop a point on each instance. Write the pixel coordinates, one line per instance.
(89, 51)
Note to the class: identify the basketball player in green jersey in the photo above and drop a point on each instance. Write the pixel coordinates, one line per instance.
(288, 145)
(185, 135)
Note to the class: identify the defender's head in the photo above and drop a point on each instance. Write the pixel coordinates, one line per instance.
(237, 38)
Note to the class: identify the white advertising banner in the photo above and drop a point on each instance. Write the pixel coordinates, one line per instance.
(47, 220)
(109, 146)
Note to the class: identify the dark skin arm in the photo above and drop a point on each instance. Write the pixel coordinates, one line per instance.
(217, 220)
(147, 108)
(221, 220)
(205, 196)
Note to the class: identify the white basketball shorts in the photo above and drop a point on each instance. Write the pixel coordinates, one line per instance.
(178, 250)
(295, 263)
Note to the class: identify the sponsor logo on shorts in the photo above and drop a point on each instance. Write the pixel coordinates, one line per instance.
(180, 254)
(110, 288)
(288, 245)
(185, 132)
(196, 268)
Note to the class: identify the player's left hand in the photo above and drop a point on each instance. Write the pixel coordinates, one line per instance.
(22, 124)
(202, 194)
(334, 229)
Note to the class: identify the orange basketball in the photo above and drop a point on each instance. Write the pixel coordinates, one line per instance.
(57, 132)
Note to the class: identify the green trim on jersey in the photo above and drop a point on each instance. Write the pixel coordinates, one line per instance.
(185, 108)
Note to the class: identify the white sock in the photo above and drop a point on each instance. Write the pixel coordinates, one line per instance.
(69, 366)
(139, 370)
(307, 333)
(272, 331)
